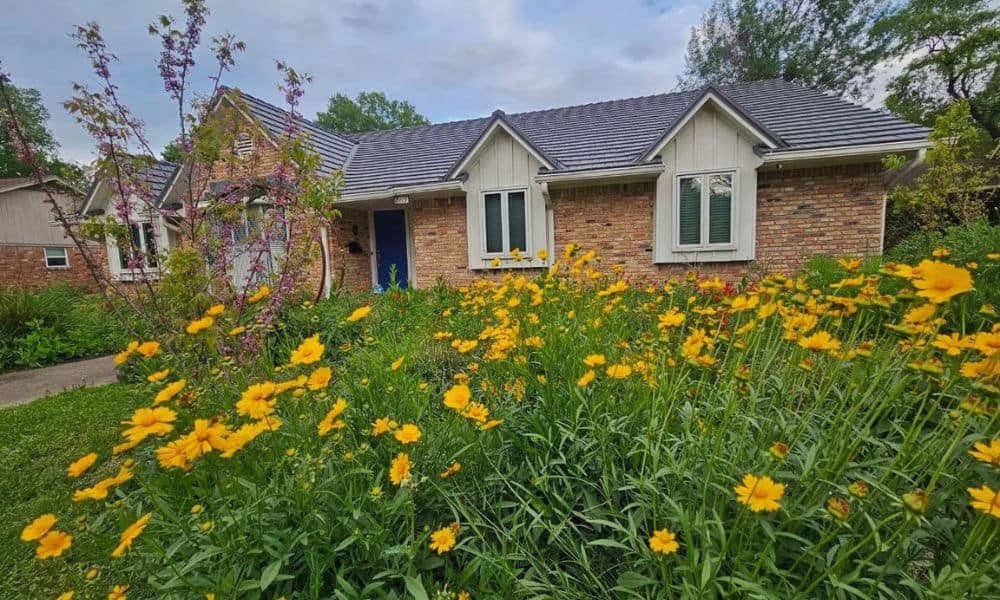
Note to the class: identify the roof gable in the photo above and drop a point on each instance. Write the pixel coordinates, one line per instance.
(498, 122)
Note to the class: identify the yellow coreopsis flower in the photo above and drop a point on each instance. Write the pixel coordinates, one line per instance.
(594, 360)
(39, 527)
(169, 391)
(939, 282)
(319, 378)
(158, 376)
(779, 450)
(256, 401)
(988, 453)
(397, 363)
(53, 544)
(586, 378)
(130, 534)
(457, 397)
(619, 371)
(308, 352)
(199, 325)
(149, 421)
(80, 465)
(382, 425)
(443, 540)
(455, 467)
(476, 412)
(986, 342)
(984, 499)
(821, 340)
(408, 434)
(65, 596)
(205, 437)
(839, 508)
(172, 456)
(332, 419)
(215, 310)
(148, 349)
(663, 542)
(399, 469)
(259, 295)
(920, 314)
(760, 493)
(118, 593)
(359, 313)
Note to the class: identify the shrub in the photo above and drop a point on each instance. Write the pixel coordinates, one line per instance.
(568, 436)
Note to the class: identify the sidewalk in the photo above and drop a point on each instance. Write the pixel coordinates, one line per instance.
(24, 386)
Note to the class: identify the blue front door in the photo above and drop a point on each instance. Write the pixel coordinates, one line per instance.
(390, 246)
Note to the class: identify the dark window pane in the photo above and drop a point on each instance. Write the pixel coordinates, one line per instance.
(720, 202)
(494, 223)
(150, 240)
(518, 231)
(55, 257)
(690, 211)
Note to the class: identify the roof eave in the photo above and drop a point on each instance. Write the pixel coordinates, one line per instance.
(781, 156)
(500, 120)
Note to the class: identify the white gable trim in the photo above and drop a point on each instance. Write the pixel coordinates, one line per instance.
(236, 107)
(840, 151)
(722, 106)
(485, 138)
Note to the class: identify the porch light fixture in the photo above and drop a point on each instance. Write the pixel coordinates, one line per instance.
(400, 200)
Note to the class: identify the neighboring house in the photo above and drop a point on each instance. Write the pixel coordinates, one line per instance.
(720, 180)
(34, 251)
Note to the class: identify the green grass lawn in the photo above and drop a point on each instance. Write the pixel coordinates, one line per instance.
(37, 441)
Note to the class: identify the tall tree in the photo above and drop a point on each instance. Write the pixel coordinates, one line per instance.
(953, 47)
(368, 112)
(820, 43)
(33, 117)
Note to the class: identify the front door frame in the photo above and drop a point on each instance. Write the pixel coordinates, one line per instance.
(407, 228)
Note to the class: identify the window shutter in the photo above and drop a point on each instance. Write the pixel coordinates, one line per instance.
(494, 223)
(517, 228)
(689, 204)
(720, 201)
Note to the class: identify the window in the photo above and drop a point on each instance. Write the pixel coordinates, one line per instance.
(705, 210)
(243, 144)
(505, 216)
(140, 247)
(56, 258)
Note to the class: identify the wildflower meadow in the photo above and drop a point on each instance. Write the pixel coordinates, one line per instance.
(563, 434)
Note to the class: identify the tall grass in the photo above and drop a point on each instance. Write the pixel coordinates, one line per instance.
(562, 485)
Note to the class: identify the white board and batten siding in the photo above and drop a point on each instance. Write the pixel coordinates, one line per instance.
(710, 142)
(26, 218)
(504, 164)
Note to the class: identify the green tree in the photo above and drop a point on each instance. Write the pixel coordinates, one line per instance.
(953, 189)
(956, 50)
(32, 117)
(368, 112)
(171, 153)
(820, 43)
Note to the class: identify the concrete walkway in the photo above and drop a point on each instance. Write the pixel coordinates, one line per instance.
(24, 386)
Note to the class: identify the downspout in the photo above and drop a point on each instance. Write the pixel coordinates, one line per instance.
(324, 244)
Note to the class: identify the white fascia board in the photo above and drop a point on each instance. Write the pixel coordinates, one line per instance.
(426, 188)
(629, 171)
(840, 151)
(497, 123)
(722, 106)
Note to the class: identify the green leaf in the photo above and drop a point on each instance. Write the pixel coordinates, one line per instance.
(630, 580)
(267, 578)
(415, 587)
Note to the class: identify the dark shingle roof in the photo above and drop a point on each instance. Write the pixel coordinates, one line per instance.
(594, 136)
(158, 176)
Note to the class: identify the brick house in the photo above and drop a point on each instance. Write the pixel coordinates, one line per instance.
(34, 251)
(722, 180)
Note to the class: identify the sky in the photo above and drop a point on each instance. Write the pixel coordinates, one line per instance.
(453, 59)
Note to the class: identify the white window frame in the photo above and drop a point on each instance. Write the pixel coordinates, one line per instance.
(65, 257)
(675, 217)
(505, 222)
(143, 246)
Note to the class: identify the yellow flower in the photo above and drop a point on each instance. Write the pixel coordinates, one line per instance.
(65, 596)
(200, 325)
(989, 454)
(382, 425)
(397, 363)
(986, 342)
(39, 527)
(760, 494)
(586, 378)
(542, 254)
(476, 412)
(259, 295)
(849, 264)
(663, 542)
(821, 340)
(464, 346)
(495, 262)
(442, 540)
(939, 282)
(952, 344)
(839, 508)
(80, 465)
(359, 313)
(131, 532)
(53, 544)
(256, 401)
(920, 314)
(118, 593)
(149, 421)
(858, 489)
(619, 371)
(941, 252)
(172, 456)
(457, 397)
(594, 360)
(215, 310)
(158, 376)
(408, 434)
(237, 330)
(148, 349)
(917, 501)
(986, 500)
(332, 419)
(308, 352)
(319, 378)
(169, 391)
(779, 450)
(197, 508)
(451, 470)
(399, 470)
(205, 437)
(490, 424)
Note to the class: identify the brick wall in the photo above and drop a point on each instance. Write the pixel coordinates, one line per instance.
(24, 267)
(440, 241)
(351, 270)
